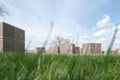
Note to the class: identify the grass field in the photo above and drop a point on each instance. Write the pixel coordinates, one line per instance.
(17, 66)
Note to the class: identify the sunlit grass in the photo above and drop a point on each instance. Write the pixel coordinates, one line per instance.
(20, 66)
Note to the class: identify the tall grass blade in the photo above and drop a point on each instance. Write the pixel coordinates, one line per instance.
(48, 37)
(28, 45)
(113, 39)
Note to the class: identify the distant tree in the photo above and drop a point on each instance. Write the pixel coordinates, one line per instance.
(58, 41)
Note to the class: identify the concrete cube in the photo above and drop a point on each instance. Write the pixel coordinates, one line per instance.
(12, 38)
(91, 48)
(67, 48)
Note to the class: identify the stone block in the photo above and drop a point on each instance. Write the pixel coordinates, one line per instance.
(77, 50)
(91, 48)
(19, 35)
(8, 45)
(67, 48)
(52, 50)
(13, 37)
(1, 30)
(1, 45)
(8, 31)
(39, 49)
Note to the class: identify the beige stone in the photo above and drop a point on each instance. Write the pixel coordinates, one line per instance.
(1, 30)
(36, 50)
(91, 48)
(52, 50)
(67, 48)
(117, 51)
(1, 45)
(81, 50)
(39, 49)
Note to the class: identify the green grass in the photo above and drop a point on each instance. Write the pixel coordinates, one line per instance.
(17, 66)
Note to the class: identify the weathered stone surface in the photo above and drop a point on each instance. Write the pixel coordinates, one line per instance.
(8, 45)
(39, 49)
(52, 50)
(1, 30)
(91, 48)
(117, 51)
(19, 39)
(36, 50)
(8, 31)
(77, 50)
(13, 38)
(67, 48)
(1, 45)
(81, 50)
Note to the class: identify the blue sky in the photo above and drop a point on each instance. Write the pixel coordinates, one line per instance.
(93, 20)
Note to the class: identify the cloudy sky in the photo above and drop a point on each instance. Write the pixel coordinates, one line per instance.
(93, 20)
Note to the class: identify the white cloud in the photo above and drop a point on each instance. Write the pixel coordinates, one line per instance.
(117, 41)
(99, 33)
(104, 22)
